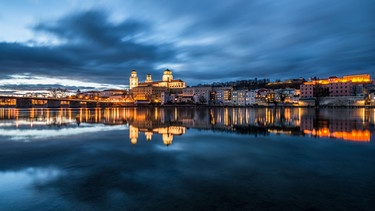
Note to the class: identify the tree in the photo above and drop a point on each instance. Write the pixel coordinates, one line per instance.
(53, 92)
(57, 92)
(282, 96)
(202, 100)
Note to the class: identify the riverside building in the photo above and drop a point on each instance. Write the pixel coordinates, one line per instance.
(149, 90)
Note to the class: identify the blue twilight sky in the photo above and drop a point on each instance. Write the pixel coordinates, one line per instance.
(95, 44)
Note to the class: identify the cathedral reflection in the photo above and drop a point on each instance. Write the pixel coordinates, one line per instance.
(168, 122)
(167, 133)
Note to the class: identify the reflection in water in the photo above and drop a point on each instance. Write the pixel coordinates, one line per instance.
(345, 124)
(86, 160)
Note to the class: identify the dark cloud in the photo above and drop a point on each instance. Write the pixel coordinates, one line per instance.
(208, 40)
(92, 49)
(284, 39)
(100, 41)
(45, 87)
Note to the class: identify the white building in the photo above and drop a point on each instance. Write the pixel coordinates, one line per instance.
(243, 97)
(239, 97)
(250, 97)
(223, 95)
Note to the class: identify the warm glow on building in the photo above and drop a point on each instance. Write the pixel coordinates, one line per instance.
(8, 102)
(363, 78)
(336, 86)
(150, 91)
(133, 80)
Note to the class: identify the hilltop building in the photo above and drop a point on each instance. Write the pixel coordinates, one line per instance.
(334, 87)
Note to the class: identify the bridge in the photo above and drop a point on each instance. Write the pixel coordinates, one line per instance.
(41, 102)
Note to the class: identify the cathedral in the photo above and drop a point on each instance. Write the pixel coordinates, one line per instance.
(151, 90)
(167, 81)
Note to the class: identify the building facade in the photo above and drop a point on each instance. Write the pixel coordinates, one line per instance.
(239, 97)
(150, 90)
(223, 95)
(250, 97)
(335, 87)
(133, 80)
(199, 94)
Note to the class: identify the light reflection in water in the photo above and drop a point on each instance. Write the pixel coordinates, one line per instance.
(345, 124)
(87, 170)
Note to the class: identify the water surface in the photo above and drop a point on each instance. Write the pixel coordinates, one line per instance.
(187, 158)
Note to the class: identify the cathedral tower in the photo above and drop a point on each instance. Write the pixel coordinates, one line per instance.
(148, 78)
(133, 80)
(167, 77)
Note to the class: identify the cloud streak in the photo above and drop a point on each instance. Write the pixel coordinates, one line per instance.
(90, 48)
(201, 42)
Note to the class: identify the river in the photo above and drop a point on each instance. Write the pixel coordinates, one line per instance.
(187, 159)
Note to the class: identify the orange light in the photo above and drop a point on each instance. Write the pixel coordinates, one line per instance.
(354, 135)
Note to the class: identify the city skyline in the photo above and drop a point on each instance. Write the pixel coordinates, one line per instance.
(96, 45)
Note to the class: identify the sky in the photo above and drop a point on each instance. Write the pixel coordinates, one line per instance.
(95, 44)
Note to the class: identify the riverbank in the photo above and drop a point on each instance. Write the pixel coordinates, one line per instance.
(203, 105)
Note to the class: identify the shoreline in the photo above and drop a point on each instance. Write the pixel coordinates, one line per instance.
(198, 106)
